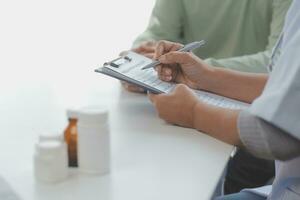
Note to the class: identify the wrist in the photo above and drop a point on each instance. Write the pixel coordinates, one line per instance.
(207, 117)
(216, 122)
(198, 110)
(206, 78)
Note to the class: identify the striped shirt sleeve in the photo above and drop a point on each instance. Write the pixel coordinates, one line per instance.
(265, 140)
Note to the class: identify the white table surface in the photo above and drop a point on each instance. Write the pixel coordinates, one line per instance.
(150, 159)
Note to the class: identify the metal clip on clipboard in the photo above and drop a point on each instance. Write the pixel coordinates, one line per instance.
(125, 68)
(118, 61)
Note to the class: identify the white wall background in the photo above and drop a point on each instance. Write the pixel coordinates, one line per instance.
(45, 39)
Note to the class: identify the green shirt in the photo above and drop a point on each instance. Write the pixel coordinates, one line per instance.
(240, 34)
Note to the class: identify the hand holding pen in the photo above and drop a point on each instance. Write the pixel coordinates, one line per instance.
(178, 64)
(175, 47)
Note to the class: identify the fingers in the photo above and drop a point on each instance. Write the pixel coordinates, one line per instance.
(156, 98)
(158, 69)
(152, 97)
(149, 55)
(132, 88)
(159, 50)
(183, 90)
(145, 48)
(166, 71)
(177, 57)
(167, 74)
(180, 87)
(163, 47)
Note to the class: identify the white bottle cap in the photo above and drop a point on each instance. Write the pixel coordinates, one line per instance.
(93, 115)
(50, 147)
(72, 113)
(50, 136)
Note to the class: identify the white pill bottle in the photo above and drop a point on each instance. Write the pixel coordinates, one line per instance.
(50, 161)
(93, 140)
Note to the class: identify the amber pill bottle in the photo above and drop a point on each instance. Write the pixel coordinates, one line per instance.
(71, 137)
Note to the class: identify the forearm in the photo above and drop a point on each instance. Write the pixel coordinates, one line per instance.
(217, 122)
(254, 63)
(233, 84)
(240, 128)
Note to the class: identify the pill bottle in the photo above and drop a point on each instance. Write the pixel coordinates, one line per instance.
(93, 140)
(50, 161)
(70, 136)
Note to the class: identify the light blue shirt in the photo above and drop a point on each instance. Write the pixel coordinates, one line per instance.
(279, 104)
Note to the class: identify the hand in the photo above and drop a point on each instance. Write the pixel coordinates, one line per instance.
(180, 67)
(183, 108)
(147, 49)
(176, 107)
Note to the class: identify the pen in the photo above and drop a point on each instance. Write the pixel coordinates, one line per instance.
(186, 48)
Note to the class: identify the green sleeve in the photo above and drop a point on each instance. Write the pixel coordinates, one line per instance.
(280, 8)
(165, 22)
(250, 63)
(258, 62)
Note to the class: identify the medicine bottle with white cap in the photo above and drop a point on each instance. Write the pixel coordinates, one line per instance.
(93, 140)
(50, 161)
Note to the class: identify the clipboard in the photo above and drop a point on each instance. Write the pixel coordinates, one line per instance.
(131, 59)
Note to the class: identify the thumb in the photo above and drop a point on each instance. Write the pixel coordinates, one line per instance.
(152, 97)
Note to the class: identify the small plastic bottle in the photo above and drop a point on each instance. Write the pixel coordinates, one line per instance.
(50, 161)
(70, 136)
(93, 141)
